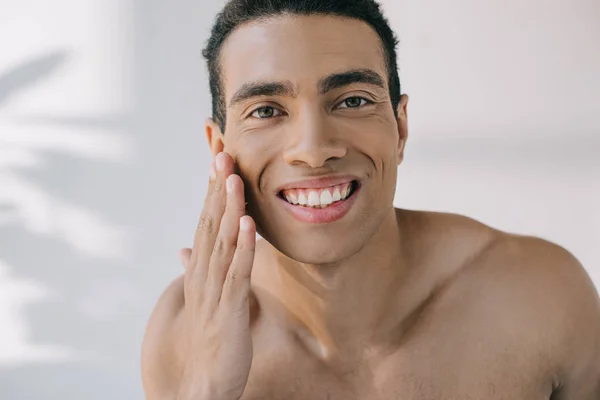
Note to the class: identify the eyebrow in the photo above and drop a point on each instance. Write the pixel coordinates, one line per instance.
(339, 80)
(286, 88)
(262, 88)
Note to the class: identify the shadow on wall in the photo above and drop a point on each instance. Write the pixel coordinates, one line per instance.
(93, 209)
(70, 307)
(29, 73)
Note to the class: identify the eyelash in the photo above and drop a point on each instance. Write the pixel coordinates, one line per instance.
(366, 102)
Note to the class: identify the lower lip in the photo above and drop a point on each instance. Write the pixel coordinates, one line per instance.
(333, 212)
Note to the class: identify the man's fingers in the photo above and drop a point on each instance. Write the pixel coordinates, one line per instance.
(184, 256)
(208, 225)
(225, 243)
(237, 282)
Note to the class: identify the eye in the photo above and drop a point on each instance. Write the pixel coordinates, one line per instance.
(354, 102)
(266, 112)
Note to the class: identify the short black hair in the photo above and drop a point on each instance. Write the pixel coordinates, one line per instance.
(239, 12)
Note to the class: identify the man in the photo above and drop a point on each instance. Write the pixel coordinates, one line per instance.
(349, 298)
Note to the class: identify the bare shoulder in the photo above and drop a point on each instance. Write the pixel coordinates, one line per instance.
(443, 240)
(545, 275)
(542, 294)
(161, 355)
(532, 291)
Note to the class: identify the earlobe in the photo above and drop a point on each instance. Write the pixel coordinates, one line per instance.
(214, 136)
(402, 127)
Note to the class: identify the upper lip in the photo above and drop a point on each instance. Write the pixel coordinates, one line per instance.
(318, 183)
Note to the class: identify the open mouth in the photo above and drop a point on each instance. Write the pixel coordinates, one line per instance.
(320, 197)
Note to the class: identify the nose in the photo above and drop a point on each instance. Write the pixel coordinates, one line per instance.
(313, 143)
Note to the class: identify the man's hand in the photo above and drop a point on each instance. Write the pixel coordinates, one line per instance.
(217, 286)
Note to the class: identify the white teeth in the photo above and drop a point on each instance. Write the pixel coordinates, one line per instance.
(291, 197)
(337, 196)
(302, 199)
(326, 198)
(318, 198)
(313, 199)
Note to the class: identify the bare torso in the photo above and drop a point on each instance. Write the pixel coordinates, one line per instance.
(483, 320)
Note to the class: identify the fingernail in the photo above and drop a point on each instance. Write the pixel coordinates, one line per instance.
(220, 161)
(213, 172)
(229, 183)
(245, 224)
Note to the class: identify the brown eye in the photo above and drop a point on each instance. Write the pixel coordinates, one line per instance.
(354, 102)
(265, 112)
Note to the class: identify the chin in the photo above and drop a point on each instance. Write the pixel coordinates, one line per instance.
(320, 252)
(320, 246)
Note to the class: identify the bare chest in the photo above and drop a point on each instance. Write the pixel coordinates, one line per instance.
(412, 373)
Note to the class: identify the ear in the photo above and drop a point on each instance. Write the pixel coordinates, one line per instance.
(402, 128)
(214, 136)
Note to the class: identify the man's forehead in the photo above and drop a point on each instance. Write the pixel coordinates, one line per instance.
(300, 50)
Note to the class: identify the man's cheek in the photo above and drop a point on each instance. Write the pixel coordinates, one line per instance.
(251, 191)
(256, 209)
(240, 165)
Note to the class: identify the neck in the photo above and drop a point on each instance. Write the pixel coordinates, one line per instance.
(350, 302)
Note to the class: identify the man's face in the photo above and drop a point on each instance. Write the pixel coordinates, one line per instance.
(309, 120)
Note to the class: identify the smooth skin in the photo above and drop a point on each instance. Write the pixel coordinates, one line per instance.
(382, 304)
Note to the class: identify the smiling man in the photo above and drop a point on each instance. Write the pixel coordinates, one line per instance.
(347, 297)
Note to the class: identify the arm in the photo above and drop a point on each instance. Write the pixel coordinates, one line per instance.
(161, 367)
(579, 376)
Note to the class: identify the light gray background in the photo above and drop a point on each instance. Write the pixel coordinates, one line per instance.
(103, 162)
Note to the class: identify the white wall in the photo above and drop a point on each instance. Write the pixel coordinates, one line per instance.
(103, 162)
(505, 115)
